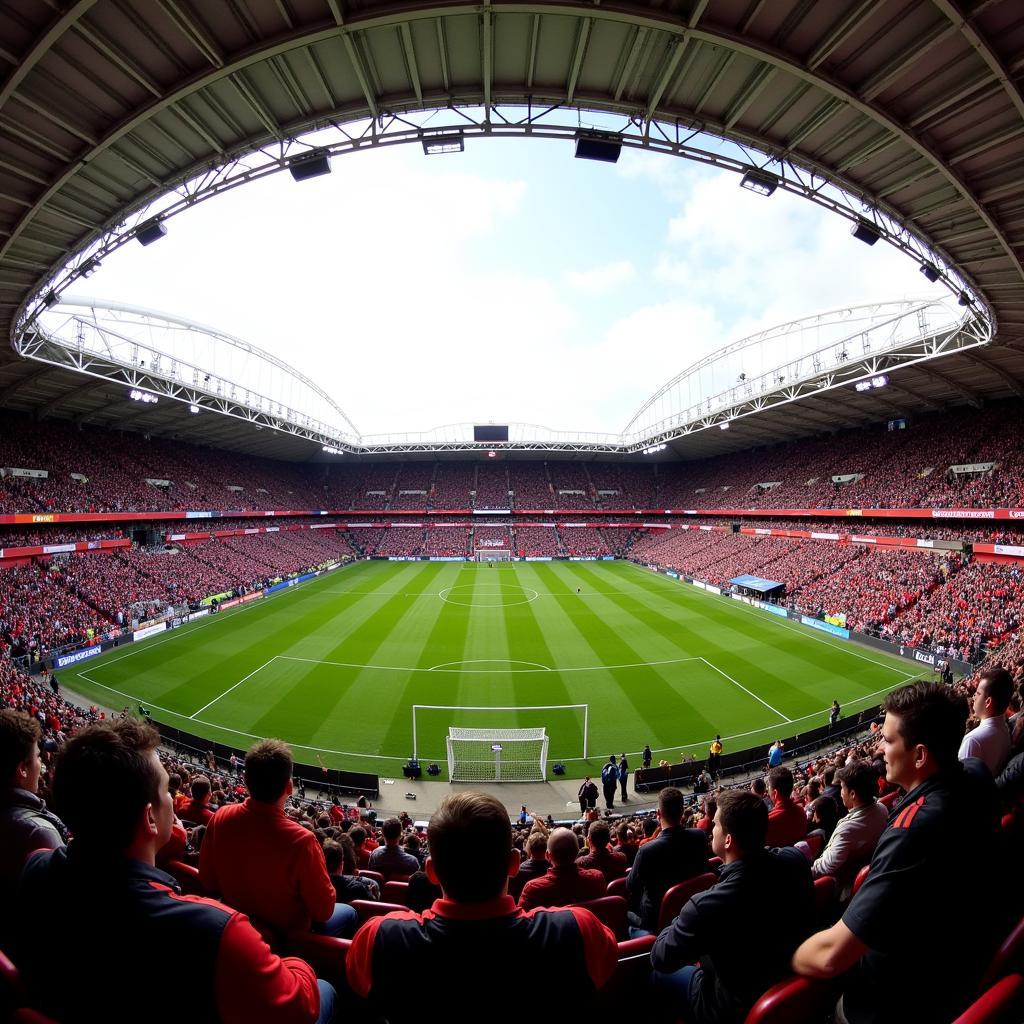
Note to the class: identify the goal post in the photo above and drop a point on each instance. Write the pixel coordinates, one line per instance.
(492, 555)
(472, 739)
(497, 755)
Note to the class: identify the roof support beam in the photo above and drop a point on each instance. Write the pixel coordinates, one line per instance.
(410, 60)
(579, 52)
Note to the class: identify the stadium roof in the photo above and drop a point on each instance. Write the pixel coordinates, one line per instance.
(914, 108)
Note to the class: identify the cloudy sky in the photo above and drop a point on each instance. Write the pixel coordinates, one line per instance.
(507, 283)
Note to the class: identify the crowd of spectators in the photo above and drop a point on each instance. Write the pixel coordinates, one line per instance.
(492, 485)
(536, 541)
(584, 541)
(447, 541)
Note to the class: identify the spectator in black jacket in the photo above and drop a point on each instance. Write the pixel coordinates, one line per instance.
(676, 854)
(743, 929)
(340, 856)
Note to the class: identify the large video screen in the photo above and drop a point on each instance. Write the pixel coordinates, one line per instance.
(490, 433)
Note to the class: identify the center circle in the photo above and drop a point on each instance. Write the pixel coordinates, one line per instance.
(488, 596)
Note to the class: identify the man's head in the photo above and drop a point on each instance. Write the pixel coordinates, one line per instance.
(392, 831)
(117, 763)
(758, 788)
(19, 751)
(536, 846)
(858, 784)
(563, 847)
(780, 781)
(924, 724)
(268, 771)
(357, 835)
(200, 788)
(995, 688)
(333, 856)
(670, 806)
(741, 823)
(471, 853)
(599, 836)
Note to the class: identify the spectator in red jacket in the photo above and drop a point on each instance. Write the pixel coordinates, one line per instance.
(565, 881)
(608, 861)
(787, 820)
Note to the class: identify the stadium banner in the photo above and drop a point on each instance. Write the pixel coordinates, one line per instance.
(447, 558)
(742, 598)
(773, 608)
(254, 596)
(670, 573)
(699, 584)
(201, 614)
(225, 605)
(537, 558)
(607, 558)
(141, 634)
(921, 655)
(76, 656)
(403, 558)
(712, 590)
(55, 549)
(824, 536)
(202, 515)
(206, 601)
(582, 558)
(284, 585)
(825, 627)
(492, 511)
(1013, 550)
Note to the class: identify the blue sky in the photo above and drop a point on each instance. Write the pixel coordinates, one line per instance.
(507, 283)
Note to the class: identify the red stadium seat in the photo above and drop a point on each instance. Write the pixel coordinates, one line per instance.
(12, 990)
(388, 877)
(826, 901)
(186, 876)
(861, 877)
(1008, 957)
(714, 862)
(631, 973)
(793, 1000)
(815, 844)
(375, 875)
(395, 892)
(677, 897)
(325, 954)
(1001, 1004)
(890, 798)
(611, 911)
(617, 887)
(371, 908)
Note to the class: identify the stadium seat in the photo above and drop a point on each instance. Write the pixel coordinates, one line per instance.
(1008, 957)
(889, 799)
(375, 875)
(617, 887)
(186, 876)
(1001, 1004)
(815, 844)
(861, 878)
(395, 878)
(826, 901)
(395, 892)
(611, 911)
(677, 897)
(12, 991)
(371, 908)
(631, 973)
(793, 1000)
(325, 954)
(714, 863)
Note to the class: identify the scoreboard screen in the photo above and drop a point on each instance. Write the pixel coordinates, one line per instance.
(490, 432)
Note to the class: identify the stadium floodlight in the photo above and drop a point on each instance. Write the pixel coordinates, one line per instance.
(654, 449)
(439, 144)
(764, 183)
(151, 231)
(331, 450)
(194, 409)
(865, 231)
(880, 381)
(724, 426)
(309, 165)
(89, 267)
(142, 396)
(964, 299)
(595, 146)
(872, 383)
(930, 271)
(50, 299)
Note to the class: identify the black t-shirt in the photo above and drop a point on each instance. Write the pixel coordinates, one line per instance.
(931, 909)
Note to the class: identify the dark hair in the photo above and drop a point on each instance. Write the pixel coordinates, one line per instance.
(828, 813)
(600, 834)
(333, 856)
(391, 829)
(670, 805)
(470, 839)
(108, 761)
(861, 779)
(349, 864)
(999, 688)
(757, 785)
(357, 835)
(930, 714)
(743, 816)
(268, 768)
(19, 736)
(650, 826)
(200, 787)
(781, 780)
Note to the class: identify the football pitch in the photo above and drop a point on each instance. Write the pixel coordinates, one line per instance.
(334, 666)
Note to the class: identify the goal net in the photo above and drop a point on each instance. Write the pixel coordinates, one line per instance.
(493, 555)
(497, 755)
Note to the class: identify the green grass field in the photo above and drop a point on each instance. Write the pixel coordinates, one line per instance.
(334, 666)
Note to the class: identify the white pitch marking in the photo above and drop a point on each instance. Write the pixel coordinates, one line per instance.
(489, 661)
(744, 689)
(236, 685)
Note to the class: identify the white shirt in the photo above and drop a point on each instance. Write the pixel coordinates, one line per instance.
(990, 741)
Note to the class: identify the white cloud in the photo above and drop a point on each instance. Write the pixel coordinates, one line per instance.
(599, 279)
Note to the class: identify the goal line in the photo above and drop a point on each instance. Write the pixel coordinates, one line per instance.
(482, 710)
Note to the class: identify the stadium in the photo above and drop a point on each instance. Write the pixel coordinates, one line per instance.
(798, 525)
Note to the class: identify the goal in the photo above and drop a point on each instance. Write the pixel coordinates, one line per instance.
(492, 555)
(497, 755)
(523, 756)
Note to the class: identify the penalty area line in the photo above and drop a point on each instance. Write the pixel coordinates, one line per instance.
(750, 693)
(236, 685)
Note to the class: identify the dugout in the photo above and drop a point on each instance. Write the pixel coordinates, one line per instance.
(757, 587)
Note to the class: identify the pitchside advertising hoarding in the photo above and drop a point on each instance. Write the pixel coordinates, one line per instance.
(76, 656)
